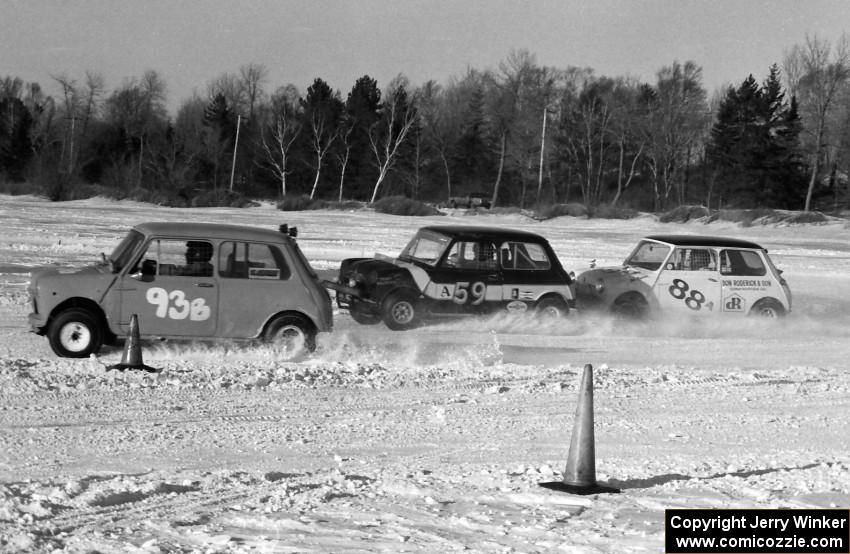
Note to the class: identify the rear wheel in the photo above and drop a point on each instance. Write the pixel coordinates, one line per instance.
(552, 308)
(292, 334)
(75, 333)
(630, 306)
(769, 308)
(400, 311)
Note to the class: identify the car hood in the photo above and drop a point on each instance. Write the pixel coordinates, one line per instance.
(607, 274)
(90, 281)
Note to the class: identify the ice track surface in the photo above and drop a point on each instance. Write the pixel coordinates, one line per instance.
(423, 441)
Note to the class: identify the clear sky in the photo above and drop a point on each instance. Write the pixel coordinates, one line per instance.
(190, 42)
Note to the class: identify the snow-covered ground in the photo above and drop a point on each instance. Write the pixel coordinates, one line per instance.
(433, 440)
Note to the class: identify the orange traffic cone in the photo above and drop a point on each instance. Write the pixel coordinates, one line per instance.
(132, 357)
(580, 474)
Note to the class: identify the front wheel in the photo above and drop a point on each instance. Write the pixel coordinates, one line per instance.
(293, 335)
(769, 308)
(75, 333)
(400, 311)
(630, 306)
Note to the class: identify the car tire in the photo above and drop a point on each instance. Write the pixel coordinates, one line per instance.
(552, 308)
(400, 311)
(294, 334)
(769, 308)
(630, 306)
(363, 317)
(75, 333)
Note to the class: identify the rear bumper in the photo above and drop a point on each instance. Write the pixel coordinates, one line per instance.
(37, 323)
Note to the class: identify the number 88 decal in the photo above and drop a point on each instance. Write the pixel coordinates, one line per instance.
(679, 290)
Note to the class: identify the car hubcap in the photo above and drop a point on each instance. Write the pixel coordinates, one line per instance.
(291, 340)
(552, 312)
(769, 312)
(403, 312)
(75, 337)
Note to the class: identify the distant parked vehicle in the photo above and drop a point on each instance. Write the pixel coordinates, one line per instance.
(186, 281)
(454, 270)
(470, 201)
(688, 274)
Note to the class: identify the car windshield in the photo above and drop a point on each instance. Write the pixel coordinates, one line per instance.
(122, 253)
(648, 255)
(426, 247)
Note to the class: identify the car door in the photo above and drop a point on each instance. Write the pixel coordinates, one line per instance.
(171, 289)
(528, 274)
(256, 282)
(744, 280)
(689, 281)
(467, 279)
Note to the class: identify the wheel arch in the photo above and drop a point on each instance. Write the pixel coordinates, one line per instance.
(769, 300)
(81, 303)
(284, 313)
(554, 296)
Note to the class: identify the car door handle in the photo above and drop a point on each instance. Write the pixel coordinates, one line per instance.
(713, 280)
(205, 285)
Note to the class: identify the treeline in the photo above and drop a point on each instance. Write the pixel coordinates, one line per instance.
(523, 134)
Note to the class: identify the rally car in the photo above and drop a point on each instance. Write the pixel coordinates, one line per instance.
(185, 281)
(690, 274)
(454, 270)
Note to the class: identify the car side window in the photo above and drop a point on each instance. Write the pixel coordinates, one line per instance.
(692, 259)
(741, 262)
(472, 255)
(250, 260)
(523, 256)
(179, 258)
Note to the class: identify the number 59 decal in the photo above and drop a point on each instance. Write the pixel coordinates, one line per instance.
(464, 292)
(175, 305)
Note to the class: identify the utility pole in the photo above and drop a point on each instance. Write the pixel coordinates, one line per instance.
(542, 148)
(235, 146)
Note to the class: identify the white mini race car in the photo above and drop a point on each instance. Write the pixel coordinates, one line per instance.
(691, 274)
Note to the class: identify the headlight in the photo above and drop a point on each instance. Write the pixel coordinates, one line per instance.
(352, 282)
(599, 287)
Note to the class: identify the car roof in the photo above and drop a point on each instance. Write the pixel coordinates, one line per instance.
(476, 232)
(702, 240)
(210, 231)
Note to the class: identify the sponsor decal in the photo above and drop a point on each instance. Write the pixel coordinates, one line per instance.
(734, 303)
(747, 283)
(175, 305)
(517, 306)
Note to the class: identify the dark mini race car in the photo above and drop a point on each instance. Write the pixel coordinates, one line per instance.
(453, 271)
(185, 281)
(688, 274)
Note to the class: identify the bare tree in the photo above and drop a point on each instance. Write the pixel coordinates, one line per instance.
(281, 128)
(388, 134)
(676, 123)
(440, 111)
(253, 77)
(71, 107)
(816, 73)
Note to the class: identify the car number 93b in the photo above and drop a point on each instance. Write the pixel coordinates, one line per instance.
(175, 305)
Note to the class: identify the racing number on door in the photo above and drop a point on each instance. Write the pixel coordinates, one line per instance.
(174, 305)
(679, 290)
(473, 294)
